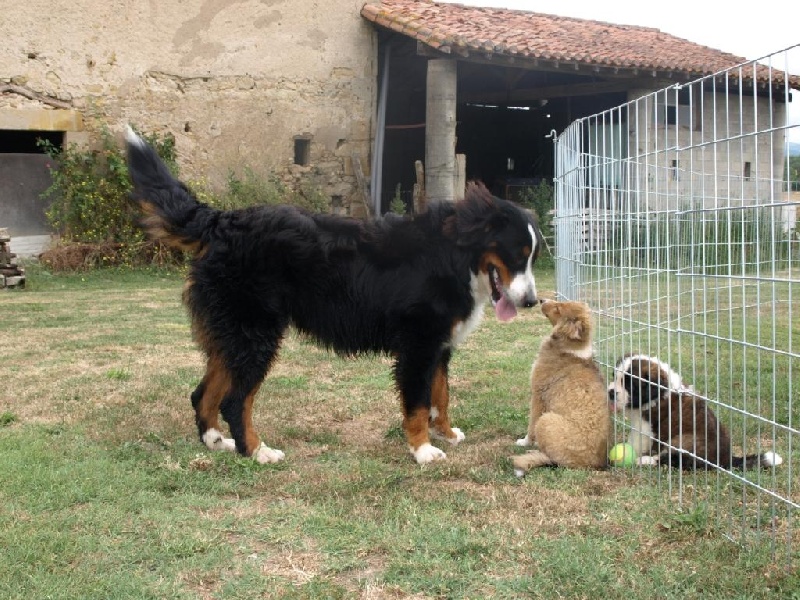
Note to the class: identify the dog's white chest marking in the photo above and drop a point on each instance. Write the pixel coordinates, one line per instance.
(462, 330)
(524, 285)
(641, 436)
(584, 353)
(481, 295)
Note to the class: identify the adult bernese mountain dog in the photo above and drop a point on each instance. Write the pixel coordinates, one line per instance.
(412, 287)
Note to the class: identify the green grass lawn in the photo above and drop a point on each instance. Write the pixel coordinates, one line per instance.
(105, 491)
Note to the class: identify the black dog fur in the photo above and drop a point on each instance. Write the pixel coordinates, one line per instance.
(410, 287)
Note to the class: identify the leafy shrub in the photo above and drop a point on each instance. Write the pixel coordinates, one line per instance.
(398, 205)
(253, 189)
(90, 191)
(91, 210)
(540, 200)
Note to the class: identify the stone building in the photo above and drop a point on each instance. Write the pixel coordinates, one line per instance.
(277, 86)
(320, 92)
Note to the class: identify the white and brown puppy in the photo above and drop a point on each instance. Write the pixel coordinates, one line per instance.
(670, 423)
(569, 417)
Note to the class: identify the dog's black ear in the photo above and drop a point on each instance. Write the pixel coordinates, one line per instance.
(644, 383)
(656, 389)
(659, 387)
(476, 215)
(636, 389)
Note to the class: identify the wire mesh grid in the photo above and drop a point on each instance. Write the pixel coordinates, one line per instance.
(676, 221)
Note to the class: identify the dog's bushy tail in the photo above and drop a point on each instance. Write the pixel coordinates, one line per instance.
(170, 212)
(684, 459)
(756, 461)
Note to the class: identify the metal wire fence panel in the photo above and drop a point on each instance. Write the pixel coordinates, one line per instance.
(676, 220)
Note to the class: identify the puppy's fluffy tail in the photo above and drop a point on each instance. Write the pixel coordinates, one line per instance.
(170, 212)
(757, 461)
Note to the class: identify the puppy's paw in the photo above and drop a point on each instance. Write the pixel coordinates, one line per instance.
(530, 460)
(426, 454)
(647, 460)
(266, 455)
(214, 440)
(526, 441)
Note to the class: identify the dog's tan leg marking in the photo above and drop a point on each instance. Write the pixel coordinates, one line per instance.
(254, 446)
(216, 384)
(440, 401)
(416, 428)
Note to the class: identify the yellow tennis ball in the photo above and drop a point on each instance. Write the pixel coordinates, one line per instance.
(622, 455)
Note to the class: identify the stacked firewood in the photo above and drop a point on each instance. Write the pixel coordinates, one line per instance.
(11, 275)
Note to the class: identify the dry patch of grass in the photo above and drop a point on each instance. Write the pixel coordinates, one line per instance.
(103, 438)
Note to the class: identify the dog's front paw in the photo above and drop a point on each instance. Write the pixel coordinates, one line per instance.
(266, 455)
(214, 440)
(647, 460)
(526, 441)
(427, 454)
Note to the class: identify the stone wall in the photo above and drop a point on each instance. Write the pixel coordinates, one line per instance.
(234, 81)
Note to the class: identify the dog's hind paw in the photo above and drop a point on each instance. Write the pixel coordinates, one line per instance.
(458, 438)
(458, 435)
(526, 441)
(214, 440)
(426, 454)
(266, 455)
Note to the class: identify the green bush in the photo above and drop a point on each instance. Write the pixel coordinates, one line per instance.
(541, 201)
(253, 189)
(91, 210)
(90, 189)
(398, 205)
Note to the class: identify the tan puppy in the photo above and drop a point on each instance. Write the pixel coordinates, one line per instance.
(569, 419)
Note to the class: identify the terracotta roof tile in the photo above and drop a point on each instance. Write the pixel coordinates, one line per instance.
(454, 28)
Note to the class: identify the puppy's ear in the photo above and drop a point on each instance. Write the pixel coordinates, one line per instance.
(646, 383)
(573, 329)
(569, 329)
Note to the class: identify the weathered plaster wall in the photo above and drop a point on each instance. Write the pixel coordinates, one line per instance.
(710, 148)
(234, 80)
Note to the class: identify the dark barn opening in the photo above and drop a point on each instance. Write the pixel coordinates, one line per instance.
(24, 177)
(505, 119)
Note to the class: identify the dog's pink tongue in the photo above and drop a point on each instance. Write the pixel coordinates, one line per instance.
(505, 309)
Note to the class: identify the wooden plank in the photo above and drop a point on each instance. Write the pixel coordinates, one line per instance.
(361, 182)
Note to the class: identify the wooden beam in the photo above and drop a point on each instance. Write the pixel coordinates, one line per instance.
(525, 96)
